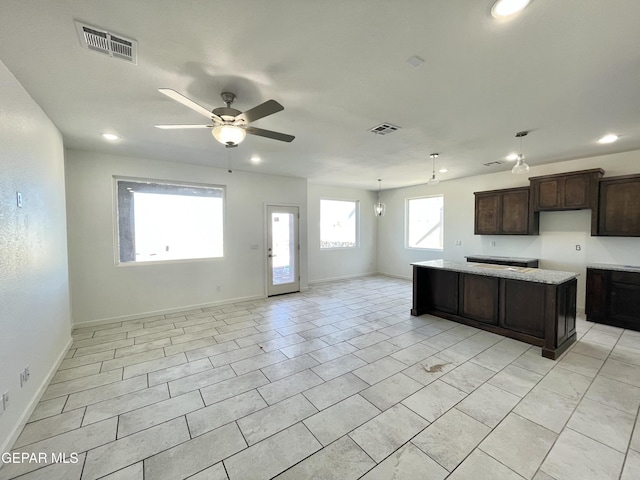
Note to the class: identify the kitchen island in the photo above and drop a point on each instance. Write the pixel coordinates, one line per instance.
(532, 305)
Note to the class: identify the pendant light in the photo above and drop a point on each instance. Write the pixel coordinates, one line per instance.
(379, 208)
(520, 166)
(433, 180)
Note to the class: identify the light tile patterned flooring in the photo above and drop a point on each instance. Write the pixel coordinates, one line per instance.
(339, 382)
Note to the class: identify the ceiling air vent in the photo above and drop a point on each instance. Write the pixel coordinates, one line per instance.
(384, 128)
(491, 164)
(98, 39)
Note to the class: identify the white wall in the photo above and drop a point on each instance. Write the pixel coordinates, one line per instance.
(560, 232)
(343, 262)
(103, 291)
(35, 321)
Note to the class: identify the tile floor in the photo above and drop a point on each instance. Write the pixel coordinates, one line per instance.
(339, 382)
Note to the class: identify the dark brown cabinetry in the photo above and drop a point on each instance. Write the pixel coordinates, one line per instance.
(613, 297)
(567, 191)
(619, 206)
(537, 313)
(504, 212)
(509, 261)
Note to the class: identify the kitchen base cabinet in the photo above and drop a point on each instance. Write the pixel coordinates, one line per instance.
(542, 314)
(613, 296)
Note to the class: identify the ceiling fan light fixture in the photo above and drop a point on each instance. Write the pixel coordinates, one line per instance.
(506, 8)
(228, 135)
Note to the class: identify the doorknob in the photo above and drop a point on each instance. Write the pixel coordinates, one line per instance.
(271, 256)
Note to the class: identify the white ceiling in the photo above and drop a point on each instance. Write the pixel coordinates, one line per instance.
(567, 70)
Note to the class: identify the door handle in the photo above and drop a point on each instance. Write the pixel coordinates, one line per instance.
(271, 256)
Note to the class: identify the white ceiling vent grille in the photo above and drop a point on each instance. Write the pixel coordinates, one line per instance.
(100, 40)
(384, 128)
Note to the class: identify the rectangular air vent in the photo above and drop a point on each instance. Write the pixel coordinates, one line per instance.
(384, 128)
(490, 164)
(100, 40)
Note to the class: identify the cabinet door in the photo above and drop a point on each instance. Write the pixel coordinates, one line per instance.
(549, 194)
(486, 214)
(523, 307)
(596, 301)
(479, 298)
(576, 192)
(619, 206)
(515, 212)
(625, 305)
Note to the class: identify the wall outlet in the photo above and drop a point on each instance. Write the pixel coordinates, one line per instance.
(578, 248)
(24, 376)
(458, 243)
(492, 243)
(218, 288)
(5, 400)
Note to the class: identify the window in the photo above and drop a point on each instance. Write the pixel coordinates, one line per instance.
(338, 223)
(160, 221)
(424, 222)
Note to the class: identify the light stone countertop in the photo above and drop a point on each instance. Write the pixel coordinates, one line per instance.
(619, 268)
(528, 274)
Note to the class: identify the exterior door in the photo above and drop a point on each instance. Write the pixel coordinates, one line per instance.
(283, 268)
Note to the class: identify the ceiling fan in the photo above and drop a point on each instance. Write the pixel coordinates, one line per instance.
(230, 126)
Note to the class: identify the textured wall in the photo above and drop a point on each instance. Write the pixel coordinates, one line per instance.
(101, 290)
(34, 287)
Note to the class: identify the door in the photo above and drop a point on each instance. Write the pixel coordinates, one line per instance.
(283, 266)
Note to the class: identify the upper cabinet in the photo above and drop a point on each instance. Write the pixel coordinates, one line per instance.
(566, 191)
(504, 212)
(619, 206)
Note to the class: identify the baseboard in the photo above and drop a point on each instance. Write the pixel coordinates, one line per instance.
(153, 313)
(344, 277)
(401, 277)
(5, 447)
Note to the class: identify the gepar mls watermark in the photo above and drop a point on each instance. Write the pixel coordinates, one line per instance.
(39, 457)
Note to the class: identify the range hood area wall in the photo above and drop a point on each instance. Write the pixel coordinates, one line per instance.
(555, 245)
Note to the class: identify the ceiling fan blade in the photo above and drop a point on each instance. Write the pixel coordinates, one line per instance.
(175, 127)
(178, 97)
(267, 108)
(283, 137)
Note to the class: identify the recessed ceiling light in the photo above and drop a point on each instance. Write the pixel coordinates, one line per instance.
(505, 8)
(255, 159)
(443, 170)
(512, 157)
(610, 138)
(110, 136)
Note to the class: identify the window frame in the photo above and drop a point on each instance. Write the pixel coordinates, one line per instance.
(407, 224)
(357, 222)
(172, 183)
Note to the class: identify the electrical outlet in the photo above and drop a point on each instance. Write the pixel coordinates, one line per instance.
(493, 243)
(578, 248)
(5, 400)
(218, 288)
(24, 376)
(458, 243)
